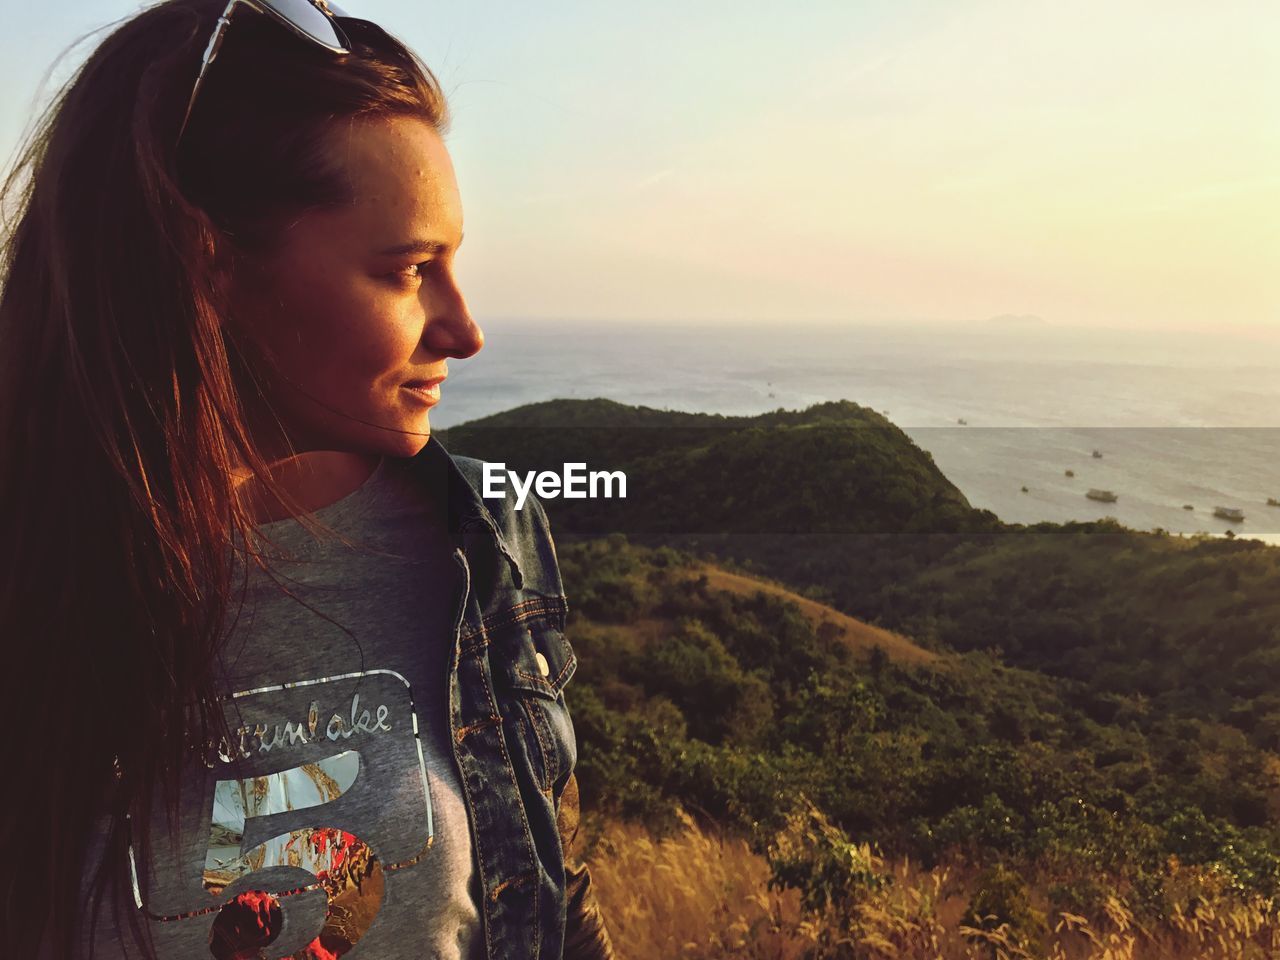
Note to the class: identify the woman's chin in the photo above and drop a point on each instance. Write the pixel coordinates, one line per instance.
(413, 435)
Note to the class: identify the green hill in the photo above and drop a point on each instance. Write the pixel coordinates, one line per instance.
(840, 505)
(1097, 701)
(833, 468)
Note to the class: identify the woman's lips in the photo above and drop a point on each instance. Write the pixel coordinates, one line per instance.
(427, 390)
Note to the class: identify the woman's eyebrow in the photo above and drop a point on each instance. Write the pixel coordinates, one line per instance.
(417, 247)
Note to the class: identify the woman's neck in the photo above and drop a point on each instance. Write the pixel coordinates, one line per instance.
(314, 479)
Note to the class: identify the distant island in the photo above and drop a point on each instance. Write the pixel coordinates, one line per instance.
(1017, 320)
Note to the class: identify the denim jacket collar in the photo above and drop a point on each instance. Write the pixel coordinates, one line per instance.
(467, 510)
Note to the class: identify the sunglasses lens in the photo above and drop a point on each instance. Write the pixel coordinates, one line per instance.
(306, 19)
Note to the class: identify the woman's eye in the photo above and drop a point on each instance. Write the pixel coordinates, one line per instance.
(411, 272)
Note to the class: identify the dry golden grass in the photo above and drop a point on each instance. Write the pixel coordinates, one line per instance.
(701, 895)
(694, 896)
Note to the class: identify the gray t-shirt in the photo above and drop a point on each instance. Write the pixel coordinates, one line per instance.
(337, 796)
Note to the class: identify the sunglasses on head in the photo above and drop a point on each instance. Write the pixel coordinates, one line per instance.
(312, 20)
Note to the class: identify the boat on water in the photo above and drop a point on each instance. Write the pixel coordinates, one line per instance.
(1273, 502)
(1106, 496)
(962, 421)
(1071, 473)
(1234, 514)
(1097, 454)
(1187, 506)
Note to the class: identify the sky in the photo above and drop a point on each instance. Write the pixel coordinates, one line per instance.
(1107, 163)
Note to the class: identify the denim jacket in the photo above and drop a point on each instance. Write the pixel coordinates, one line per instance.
(513, 735)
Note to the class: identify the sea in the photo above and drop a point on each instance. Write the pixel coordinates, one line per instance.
(1174, 423)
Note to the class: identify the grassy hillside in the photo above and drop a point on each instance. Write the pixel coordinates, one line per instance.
(796, 619)
(838, 504)
(764, 714)
(859, 636)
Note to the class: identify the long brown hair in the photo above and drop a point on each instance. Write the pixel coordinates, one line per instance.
(123, 413)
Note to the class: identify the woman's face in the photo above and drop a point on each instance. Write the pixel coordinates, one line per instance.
(360, 301)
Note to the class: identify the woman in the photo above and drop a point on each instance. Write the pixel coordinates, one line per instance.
(287, 685)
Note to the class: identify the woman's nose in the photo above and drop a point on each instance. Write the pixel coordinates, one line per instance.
(464, 335)
(451, 331)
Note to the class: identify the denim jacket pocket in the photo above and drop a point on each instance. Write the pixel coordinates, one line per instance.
(531, 662)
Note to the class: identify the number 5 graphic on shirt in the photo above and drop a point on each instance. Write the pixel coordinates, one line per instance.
(344, 865)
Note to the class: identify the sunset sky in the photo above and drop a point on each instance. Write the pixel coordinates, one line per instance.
(1101, 163)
